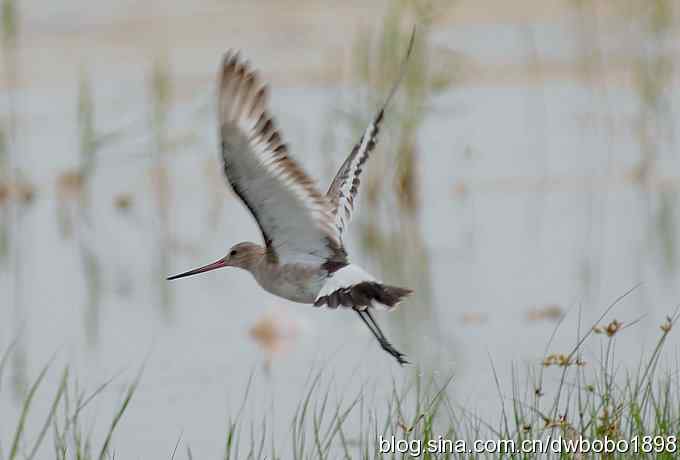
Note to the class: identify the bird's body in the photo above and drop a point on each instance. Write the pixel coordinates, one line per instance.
(304, 259)
(297, 282)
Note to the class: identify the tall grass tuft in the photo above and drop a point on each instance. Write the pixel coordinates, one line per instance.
(62, 423)
(21, 424)
(570, 399)
(106, 446)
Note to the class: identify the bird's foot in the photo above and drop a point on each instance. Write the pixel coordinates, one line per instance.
(399, 356)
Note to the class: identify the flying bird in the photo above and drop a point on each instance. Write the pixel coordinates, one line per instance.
(303, 258)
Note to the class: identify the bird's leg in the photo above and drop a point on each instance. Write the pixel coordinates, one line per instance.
(368, 325)
(378, 334)
(387, 346)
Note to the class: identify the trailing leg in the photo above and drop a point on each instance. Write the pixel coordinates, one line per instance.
(372, 325)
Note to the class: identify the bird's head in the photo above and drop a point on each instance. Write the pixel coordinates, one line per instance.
(242, 255)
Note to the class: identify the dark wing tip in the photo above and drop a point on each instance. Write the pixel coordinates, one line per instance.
(241, 93)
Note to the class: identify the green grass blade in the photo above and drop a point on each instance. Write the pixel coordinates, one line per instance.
(14, 451)
(50, 416)
(126, 402)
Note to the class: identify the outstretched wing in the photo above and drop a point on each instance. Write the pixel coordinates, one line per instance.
(296, 220)
(345, 186)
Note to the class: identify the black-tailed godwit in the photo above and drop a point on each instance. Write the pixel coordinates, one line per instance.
(303, 258)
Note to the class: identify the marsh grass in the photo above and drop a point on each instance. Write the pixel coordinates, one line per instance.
(62, 423)
(562, 395)
(160, 86)
(589, 400)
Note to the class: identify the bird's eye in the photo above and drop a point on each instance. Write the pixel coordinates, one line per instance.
(232, 253)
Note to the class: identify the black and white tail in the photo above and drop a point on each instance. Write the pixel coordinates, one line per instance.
(352, 287)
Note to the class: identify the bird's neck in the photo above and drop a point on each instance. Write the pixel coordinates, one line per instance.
(265, 271)
(256, 262)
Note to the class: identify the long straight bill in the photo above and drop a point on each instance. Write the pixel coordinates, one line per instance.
(213, 266)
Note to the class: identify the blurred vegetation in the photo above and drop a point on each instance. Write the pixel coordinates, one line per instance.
(161, 101)
(391, 192)
(16, 192)
(160, 85)
(9, 43)
(654, 74)
(4, 195)
(93, 284)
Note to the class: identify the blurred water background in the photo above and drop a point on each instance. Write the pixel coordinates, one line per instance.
(527, 177)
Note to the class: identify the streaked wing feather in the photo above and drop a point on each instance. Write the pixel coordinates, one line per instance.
(345, 186)
(296, 220)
